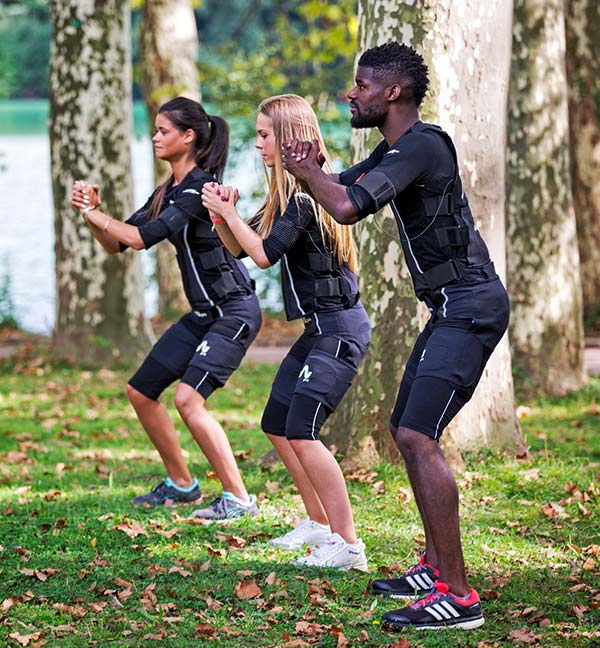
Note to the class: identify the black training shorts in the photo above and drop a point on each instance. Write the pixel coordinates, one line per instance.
(202, 349)
(450, 354)
(316, 373)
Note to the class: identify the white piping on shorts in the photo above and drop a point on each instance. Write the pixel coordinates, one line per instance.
(203, 379)
(315, 420)
(338, 349)
(437, 427)
(444, 311)
(239, 331)
(317, 323)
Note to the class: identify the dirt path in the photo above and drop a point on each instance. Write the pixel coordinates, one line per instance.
(265, 350)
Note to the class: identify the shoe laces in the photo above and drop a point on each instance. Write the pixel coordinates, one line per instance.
(298, 531)
(160, 487)
(441, 589)
(218, 505)
(326, 549)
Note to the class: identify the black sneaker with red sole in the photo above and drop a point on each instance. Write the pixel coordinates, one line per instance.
(439, 609)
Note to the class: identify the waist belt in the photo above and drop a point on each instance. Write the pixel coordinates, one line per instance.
(333, 287)
(454, 270)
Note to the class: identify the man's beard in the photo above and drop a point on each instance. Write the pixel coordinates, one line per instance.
(372, 117)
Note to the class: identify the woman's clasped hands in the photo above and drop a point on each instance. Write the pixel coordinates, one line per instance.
(220, 200)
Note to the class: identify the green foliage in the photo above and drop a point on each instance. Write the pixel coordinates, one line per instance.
(24, 55)
(81, 567)
(308, 49)
(8, 318)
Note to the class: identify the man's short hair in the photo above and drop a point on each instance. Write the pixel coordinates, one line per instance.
(398, 63)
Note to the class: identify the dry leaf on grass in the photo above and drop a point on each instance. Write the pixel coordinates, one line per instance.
(523, 635)
(246, 590)
(40, 574)
(132, 529)
(25, 640)
(205, 630)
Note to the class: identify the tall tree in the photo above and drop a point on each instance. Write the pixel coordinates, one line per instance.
(168, 53)
(543, 259)
(100, 298)
(583, 74)
(469, 79)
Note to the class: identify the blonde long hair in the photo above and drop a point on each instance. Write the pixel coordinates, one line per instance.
(293, 117)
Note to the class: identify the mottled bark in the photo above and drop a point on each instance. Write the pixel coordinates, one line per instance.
(583, 74)
(168, 53)
(467, 48)
(100, 298)
(543, 259)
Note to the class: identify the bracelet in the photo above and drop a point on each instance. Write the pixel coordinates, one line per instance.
(215, 221)
(88, 209)
(107, 223)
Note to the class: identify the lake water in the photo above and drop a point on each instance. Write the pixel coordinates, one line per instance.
(26, 211)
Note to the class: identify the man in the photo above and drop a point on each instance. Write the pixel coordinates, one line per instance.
(414, 170)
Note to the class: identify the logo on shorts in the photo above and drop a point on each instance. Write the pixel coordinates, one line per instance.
(203, 348)
(305, 374)
(422, 355)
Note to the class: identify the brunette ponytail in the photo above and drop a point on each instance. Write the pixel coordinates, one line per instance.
(212, 157)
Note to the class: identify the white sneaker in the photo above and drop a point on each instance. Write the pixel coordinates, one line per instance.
(308, 532)
(336, 553)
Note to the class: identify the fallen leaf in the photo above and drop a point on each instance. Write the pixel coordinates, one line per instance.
(554, 511)
(230, 632)
(205, 630)
(311, 629)
(114, 601)
(245, 590)
(490, 595)
(74, 610)
(213, 604)
(401, 643)
(132, 529)
(579, 610)
(523, 635)
(40, 574)
(215, 552)
(531, 474)
(148, 597)
(25, 640)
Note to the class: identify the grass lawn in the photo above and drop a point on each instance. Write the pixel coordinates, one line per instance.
(80, 567)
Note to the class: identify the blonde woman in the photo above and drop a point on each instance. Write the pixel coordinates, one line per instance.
(318, 265)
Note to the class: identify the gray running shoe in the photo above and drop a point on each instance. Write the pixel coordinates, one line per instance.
(224, 508)
(163, 492)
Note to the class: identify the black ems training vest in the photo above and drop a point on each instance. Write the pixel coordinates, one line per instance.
(438, 234)
(313, 280)
(210, 274)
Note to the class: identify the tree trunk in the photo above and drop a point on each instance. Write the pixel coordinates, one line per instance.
(100, 298)
(543, 259)
(168, 53)
(469, 78)
(583, 74)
